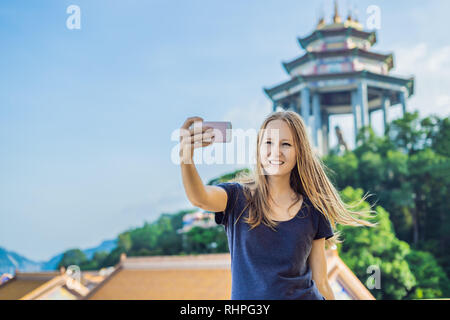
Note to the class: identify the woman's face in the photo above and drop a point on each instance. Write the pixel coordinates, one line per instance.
(277, 151)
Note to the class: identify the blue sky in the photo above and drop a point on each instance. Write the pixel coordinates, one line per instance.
(86, 115)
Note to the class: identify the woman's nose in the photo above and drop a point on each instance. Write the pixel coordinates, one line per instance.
(274, 149)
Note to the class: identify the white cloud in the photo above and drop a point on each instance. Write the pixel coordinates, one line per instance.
(249, 115)
(431, 70)
(407, 59)
(421, 59)
(439, 61)
(443, 101)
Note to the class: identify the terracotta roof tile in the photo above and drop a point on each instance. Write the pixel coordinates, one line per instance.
(15, 288)
(196, 284)
(196, 277)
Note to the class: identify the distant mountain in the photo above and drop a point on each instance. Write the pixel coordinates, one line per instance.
(10, 261)
(107, 245)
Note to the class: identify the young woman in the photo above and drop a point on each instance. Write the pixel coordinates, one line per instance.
(278, 217)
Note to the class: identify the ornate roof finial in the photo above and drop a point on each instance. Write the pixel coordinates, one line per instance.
(321, 22)
(336, 18)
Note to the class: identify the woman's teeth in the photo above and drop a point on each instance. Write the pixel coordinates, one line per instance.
(276, 162)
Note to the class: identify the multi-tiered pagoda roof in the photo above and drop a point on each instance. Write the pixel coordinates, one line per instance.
(339, 73)
(339, 50)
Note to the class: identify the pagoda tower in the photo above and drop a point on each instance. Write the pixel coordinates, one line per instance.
(339, 74)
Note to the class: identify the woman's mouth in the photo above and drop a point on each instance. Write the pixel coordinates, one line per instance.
(276, 163)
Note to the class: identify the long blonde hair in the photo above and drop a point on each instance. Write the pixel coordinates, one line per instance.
(307, 178)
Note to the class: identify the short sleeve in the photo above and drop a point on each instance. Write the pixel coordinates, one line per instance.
(232, 189)
(324, 229)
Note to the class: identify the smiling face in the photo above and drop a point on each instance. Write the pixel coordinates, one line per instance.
(277, 151)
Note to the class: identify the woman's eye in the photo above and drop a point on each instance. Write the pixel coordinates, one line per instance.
(284, 144)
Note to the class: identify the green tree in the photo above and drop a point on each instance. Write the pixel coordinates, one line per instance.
(407, 133)
(343, 170)
(378, 246)
(436, 133)
(432, 281)
(226, 177)
(408, 170)
(205, 240)
(98, 259)
(73, 257)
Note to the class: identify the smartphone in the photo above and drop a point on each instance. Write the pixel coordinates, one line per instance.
(221, 129)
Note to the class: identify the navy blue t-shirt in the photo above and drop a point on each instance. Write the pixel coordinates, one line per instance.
(268, 264)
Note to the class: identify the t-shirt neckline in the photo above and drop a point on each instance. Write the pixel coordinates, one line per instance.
(300, 210)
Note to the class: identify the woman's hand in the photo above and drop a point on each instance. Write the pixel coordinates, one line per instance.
(210, 198)
(190, 139)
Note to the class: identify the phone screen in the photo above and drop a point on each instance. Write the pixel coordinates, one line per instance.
(222, 130)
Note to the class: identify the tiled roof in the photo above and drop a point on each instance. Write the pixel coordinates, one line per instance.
(47, 286)
(201, 261)
(196, 277)
(24, 283)
(196, 284)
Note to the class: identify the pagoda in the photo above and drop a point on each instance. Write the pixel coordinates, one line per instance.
(339, 74)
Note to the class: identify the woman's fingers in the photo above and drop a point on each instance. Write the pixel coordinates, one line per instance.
(194, 131)
(199, 140)
(202, 144)
(207, 134)
(189, 121)
(199, 137)
(185, 132)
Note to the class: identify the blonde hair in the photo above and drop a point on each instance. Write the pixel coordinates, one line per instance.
(307, 178)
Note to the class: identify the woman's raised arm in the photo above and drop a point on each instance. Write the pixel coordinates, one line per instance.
(209, 198)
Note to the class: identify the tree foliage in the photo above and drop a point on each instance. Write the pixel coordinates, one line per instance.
(408, 169)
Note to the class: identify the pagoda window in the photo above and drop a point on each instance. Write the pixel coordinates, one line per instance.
(316, 46)
(358, 43)
(371, 65)
(335, 39)
(305, 69)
